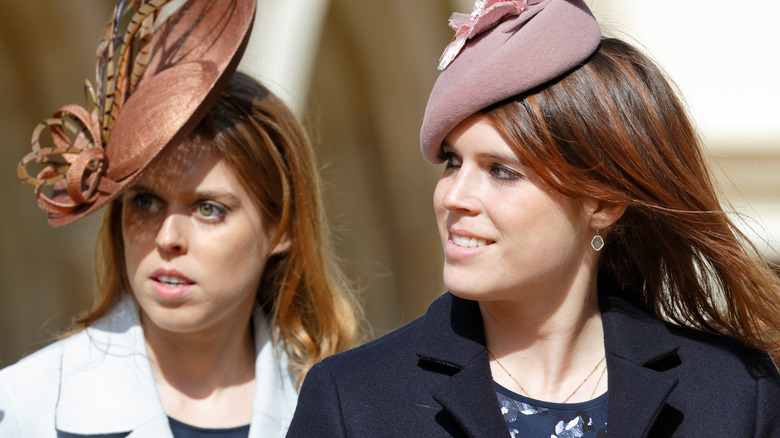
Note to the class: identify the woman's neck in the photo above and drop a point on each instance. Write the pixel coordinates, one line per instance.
(548, 349)
(205, 379)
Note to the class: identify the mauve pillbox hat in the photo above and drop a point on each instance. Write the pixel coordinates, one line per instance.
(545, 40)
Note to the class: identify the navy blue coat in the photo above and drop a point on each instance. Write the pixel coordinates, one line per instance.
(431, 378)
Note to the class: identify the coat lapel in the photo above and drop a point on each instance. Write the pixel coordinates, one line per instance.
(640, 352)
(470, 398)
(275, 385)
(454, 346)
(107, 388)
(106, 383)
(636, 396)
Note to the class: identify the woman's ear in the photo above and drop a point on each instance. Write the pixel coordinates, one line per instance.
(602, 213)
(282, 245)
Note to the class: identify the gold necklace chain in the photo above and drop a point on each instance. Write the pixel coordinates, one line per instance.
(508, 373)
(570, 395)
(601, 376)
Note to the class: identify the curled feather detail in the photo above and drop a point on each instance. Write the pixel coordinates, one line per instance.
(77, 160)
(75, 164)
(486, 15)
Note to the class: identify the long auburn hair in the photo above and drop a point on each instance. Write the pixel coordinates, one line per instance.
(311, 305)
(615, 129)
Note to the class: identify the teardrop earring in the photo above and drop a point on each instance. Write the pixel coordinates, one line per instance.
(597, 242)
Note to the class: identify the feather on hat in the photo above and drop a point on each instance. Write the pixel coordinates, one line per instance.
(154, 83)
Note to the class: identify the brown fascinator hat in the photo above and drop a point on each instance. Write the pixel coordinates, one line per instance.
(502, 49)
(155, 82)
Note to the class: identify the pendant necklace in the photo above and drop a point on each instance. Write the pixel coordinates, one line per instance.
(570, 395)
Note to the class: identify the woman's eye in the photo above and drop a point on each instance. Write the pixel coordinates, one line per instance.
(147, 202)
(210, 210)
(450, 160)
(503, 173)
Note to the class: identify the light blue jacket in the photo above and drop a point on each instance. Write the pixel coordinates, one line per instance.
(99, 382)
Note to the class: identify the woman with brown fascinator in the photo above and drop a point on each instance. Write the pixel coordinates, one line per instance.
(596, 285)
(217, 286)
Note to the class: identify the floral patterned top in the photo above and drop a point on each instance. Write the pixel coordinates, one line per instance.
(526, 417)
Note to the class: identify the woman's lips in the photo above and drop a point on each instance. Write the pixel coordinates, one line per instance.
(461, 245)
(467, 242)
(170, 285)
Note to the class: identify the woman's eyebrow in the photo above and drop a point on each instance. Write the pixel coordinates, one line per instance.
(221, 195)
(505, 158)
(141, 188)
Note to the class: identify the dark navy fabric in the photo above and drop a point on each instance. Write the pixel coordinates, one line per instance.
(184, 430)
(526, 417)
(431, 378)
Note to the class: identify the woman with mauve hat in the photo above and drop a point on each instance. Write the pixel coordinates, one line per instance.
(596, 285)
(217, 289)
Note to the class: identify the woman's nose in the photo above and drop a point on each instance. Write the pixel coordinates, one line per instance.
(460, 191)
(171, 237)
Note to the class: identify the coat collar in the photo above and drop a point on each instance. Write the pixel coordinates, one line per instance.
(275, 385)
(106, 384)
(107, 388)
(455, 344)
(639, 349)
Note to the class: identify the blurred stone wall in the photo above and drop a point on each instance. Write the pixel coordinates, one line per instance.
(374, 70)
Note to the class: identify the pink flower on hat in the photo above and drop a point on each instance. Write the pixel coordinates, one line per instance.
(486, 14)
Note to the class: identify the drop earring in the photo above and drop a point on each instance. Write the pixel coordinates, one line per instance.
(597, 242)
